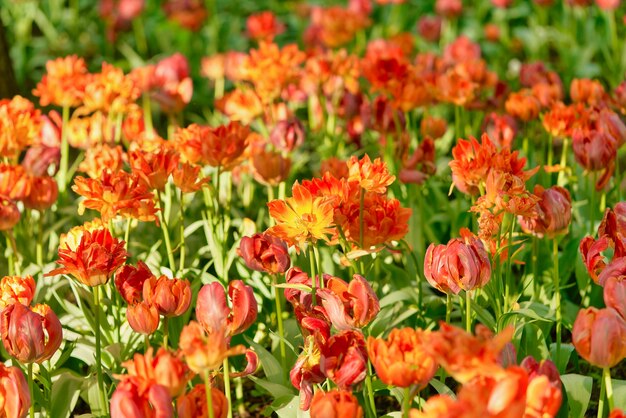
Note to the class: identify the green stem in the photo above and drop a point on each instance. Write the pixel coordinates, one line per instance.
(39, 248)
(592, 203)
(318, 264)
(468, 311)
(602, 394)
(508, 282)
(166, 331)
(535, 261)
(448, 307)
(312, 264)
(406, 402)
(140, 36)
(10, 257)
(147, 113)
(146, 342)
(101, 389)
(563, 163)
(606, 376)
(166, 235)
(370, 390)
(31, 389)
(281, 330)
(227, 387)
(209, 394)
(182, 232)
(14, 256)
(65, 150)
(557, 295)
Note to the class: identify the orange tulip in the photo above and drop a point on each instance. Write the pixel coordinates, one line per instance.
(14, 394)
(213, 313)
(171, 297)
(16, 289)
(187, 178)
(135, 398)
(154, 168)
(263, 26)
(371, 176)
(94, 260)
(206, 351)
(402, 359)
(162, 368)
(599, 336)
(143, 317)
(31, 335)
(193, 403)
(349, 306)
(43, 193)
(20, 126)
(265, 253)
(335, 404)
(9, 213)
(269, 167)
(64, 82)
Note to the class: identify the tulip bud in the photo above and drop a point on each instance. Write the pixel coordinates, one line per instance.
(14, 394)
(593, 149)
(429, 28)
(433, 127)
(335, 404)
(143, 317)
(265, 252)
(554, 213)
(43, 193)
(31, 335)
(16, 289)
(599, 336)
(344, 359)
(193, 404)
(9, 214)
(171, 297)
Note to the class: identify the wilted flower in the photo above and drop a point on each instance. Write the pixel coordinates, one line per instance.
(344, 358)
(171, 297)
(335, 404)
(206, 351)
(264, 252)
(193, 404)
(31, 335)
(401, 359)
(599, 336)
(93, 258)
(462, 264)
(306, 372)
(349, 306)
(14, 394)
(16, 289)
(213, 313)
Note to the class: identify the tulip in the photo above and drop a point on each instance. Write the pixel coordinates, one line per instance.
(615, 294)
(163, 368)
(9, 214)
(129, 282)
(213, 313)
(306, 371)
(14, 394)
(429, 28)
(594, 150)
(133, 398)
(402, 360)
(599, 336)
(206, 351)
(171, 297)
(554, 213)
(269, 167)
(335, 404)
(193, 404)
(143, 317)
(349, 306)
(344, 359)
(265, 253)
(31, 335)
(16, 289)
(544, 368)
(43, 193)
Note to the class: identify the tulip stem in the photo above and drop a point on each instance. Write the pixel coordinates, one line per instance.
(406, 402)
(535, 261)
(31, 389)
(101, 390)
(606, 380)
(65, 150)
(227, 387)
(361, 223)
(369, 388)
(592, 203)
(468, 311)
(318, 263)
(146, 342)
(312, 263)
(165, 331)
(560, 181)
(557, 295)
(166, 235)
(182, 232)
(39, 247)
(209, 394)
(281, 329)
(448, 307)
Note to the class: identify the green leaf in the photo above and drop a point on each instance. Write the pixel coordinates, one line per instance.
(286, 407)
(578, 390)
(619, 393)
(65, 393)
(275, 389)
(271, 366)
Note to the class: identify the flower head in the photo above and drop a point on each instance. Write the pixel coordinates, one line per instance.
(14, 394)
(16, 289)
(335, 404)
(264, 252)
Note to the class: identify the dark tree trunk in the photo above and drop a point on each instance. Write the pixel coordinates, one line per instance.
(8, 84)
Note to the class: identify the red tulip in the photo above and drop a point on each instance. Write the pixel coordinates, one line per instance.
(129, 281)
(213, 313)
(349, 306)
(599, 336)
(31, 335)
(135, 398)
(171, 297)
(14, 394)
(344, 359)
(266, 253)
(615, 294)
(306, 372)
(554, 213)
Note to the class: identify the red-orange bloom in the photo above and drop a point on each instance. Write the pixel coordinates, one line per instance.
(14, 393)
(16, 289)
(371, 176)
(263, 26)
(154, 168)
(64, 82)
(110, 91)
(335, 404)
(599, 336)
(9, 213)
(240, 104)
(344, 358)
(100, 158)
(129, 281)
(94, 260)
(401, 359)
(162, 368)
(204, 351)
(15, 182)
(171, 297)
(214, 314)
(193, 403)
(143, 317)
(590, 92)
(136, 398)
(189, 14)
(116, 194)
(334, 26)
(465, 356)
(264, 252)
(31, 335)
(301, 218)
(43, 193)
(553, 213)
(349, 306)
(187, 178)
(20, 126)
(523, 105)
(269, 167)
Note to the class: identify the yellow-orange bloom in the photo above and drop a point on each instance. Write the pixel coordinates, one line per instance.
(162, 368)
(115, 194)
(204, 351)
(301, 218)
(16, 289)
(64, 82)
(187, 178)
(100, 158)
(110, 91)
(20, 125)
(94, 260)
(371, 176)
(402, 359)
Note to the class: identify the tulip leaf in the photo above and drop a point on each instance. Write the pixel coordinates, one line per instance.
(619, 393)
(566, 353)
(65, 393)
(271, 366)
(301, 287)
(578, 389)
(289, 407)
(275, 389)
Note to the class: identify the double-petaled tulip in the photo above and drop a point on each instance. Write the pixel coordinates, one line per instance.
(129, 281)
(344, 358)
(193, 404)
(171, 297)
(162, 368)
(14, 394)
(31, 335)
(213, 313)
(462, 264)
(599, 336)
(206, 351)
(16, 289)
(154, 168)
(266, 253)
(136, 398)
(306, 371)
(94, 259)
(553, 213)
(349, 306)
(402, 359)
(373, 176)
(335, 404)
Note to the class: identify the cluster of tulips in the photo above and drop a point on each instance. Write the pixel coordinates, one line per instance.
(178, 270)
